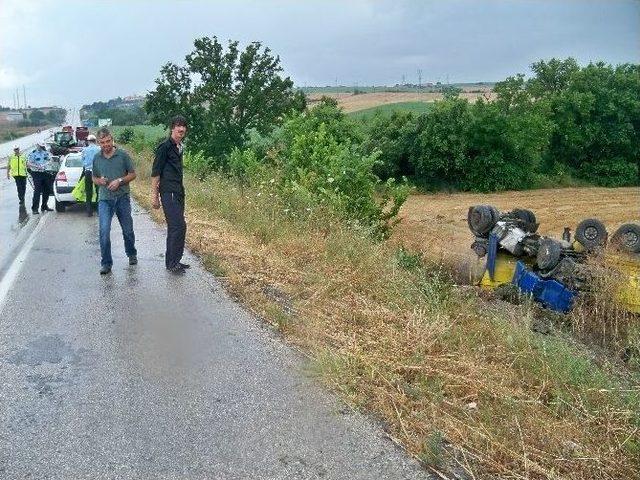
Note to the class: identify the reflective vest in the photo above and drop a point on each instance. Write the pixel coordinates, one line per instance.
(18, 165)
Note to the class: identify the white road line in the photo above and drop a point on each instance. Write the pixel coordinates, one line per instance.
(16, 265)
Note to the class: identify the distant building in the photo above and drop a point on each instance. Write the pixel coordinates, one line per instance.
(13, 116)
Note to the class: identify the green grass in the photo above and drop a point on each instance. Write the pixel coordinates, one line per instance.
(413, 107)
(149, 131)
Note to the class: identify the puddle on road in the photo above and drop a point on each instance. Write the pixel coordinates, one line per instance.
(43, 354)
(48, 349)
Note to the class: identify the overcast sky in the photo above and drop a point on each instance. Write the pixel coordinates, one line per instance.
(73, 52)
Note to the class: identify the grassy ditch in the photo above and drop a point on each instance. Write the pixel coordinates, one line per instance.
(465, 385)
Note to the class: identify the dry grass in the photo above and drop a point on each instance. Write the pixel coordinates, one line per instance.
(353, 103)
(463, 384)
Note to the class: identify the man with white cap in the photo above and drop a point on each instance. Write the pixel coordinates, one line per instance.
(17, 168)
(87, 162)
(42, 181)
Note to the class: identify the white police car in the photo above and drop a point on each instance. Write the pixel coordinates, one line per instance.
(66, 179)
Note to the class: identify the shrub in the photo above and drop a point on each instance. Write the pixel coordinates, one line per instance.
(394, 138)
(126, 136)
(197, 163)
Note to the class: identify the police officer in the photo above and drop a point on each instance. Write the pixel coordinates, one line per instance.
(42, 181)
(17, 168)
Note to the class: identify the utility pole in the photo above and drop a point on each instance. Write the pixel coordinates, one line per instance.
(24, 96)
(419, 78)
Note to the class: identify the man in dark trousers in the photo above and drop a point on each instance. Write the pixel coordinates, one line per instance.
(42, 180)
(17, 168)
(167, 187)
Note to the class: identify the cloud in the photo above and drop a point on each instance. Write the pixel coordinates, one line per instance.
(10, 78)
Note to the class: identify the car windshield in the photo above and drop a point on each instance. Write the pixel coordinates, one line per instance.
(63, 137)
(73, 161)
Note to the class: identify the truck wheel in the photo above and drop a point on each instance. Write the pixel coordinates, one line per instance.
(60, 206)
(548, 254)
(528, 217)
(591, 233)
(481, 219)
(627, 238)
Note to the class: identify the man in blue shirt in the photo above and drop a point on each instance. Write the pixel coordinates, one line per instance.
(42, 180)
(87, 173)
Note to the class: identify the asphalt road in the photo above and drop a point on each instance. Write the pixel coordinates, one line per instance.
(140, 374)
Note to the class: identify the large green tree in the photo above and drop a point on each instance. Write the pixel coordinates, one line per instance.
(224, 93)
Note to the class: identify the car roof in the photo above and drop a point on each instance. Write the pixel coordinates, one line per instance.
(73, 155)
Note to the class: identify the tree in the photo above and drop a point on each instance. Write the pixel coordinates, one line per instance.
(37, 118)
(224, 94)
(394, 138)
(552, 76)
(56, 116)
(441, 143)
(597, 124)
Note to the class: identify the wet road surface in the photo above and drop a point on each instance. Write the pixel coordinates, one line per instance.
(12, 218)
(140, 374)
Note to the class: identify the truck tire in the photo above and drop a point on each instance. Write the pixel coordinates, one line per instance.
(60, 206)
(528, 218)
(548, 254)
(481, 219)
(591, 233)
(627, 238)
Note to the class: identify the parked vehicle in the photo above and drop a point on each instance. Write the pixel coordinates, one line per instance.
(82, 133)
(66, 179)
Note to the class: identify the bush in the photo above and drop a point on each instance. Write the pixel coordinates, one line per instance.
(394, 138)
(197, 163)
(314, 161)
(126, 136)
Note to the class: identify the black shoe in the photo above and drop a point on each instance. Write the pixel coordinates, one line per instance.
(184, 265)
(47, 209)
(133, 260)
(35, 211)
(177, 270)
(105, 269)
(89, 214)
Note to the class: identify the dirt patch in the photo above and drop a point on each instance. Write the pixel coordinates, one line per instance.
(352, 103)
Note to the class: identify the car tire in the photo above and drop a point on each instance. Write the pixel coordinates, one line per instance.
(548, 254)
(627, 238)
(528, 218)
(481, 219)
(60, 206)
(591, 233)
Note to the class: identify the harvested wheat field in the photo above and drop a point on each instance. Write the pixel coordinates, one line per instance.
(352, 103)
(436, 225)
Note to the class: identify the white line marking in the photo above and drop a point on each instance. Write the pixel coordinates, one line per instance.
(16, 265)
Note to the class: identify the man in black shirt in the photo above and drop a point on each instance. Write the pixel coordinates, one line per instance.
(167, 187)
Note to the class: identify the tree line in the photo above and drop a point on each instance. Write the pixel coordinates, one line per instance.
(565, 124)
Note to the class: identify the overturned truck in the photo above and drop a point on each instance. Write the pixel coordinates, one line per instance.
(553, 271)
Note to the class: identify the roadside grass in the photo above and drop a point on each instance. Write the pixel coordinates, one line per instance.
(462, 383)
(387, 109)
(149, 131)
